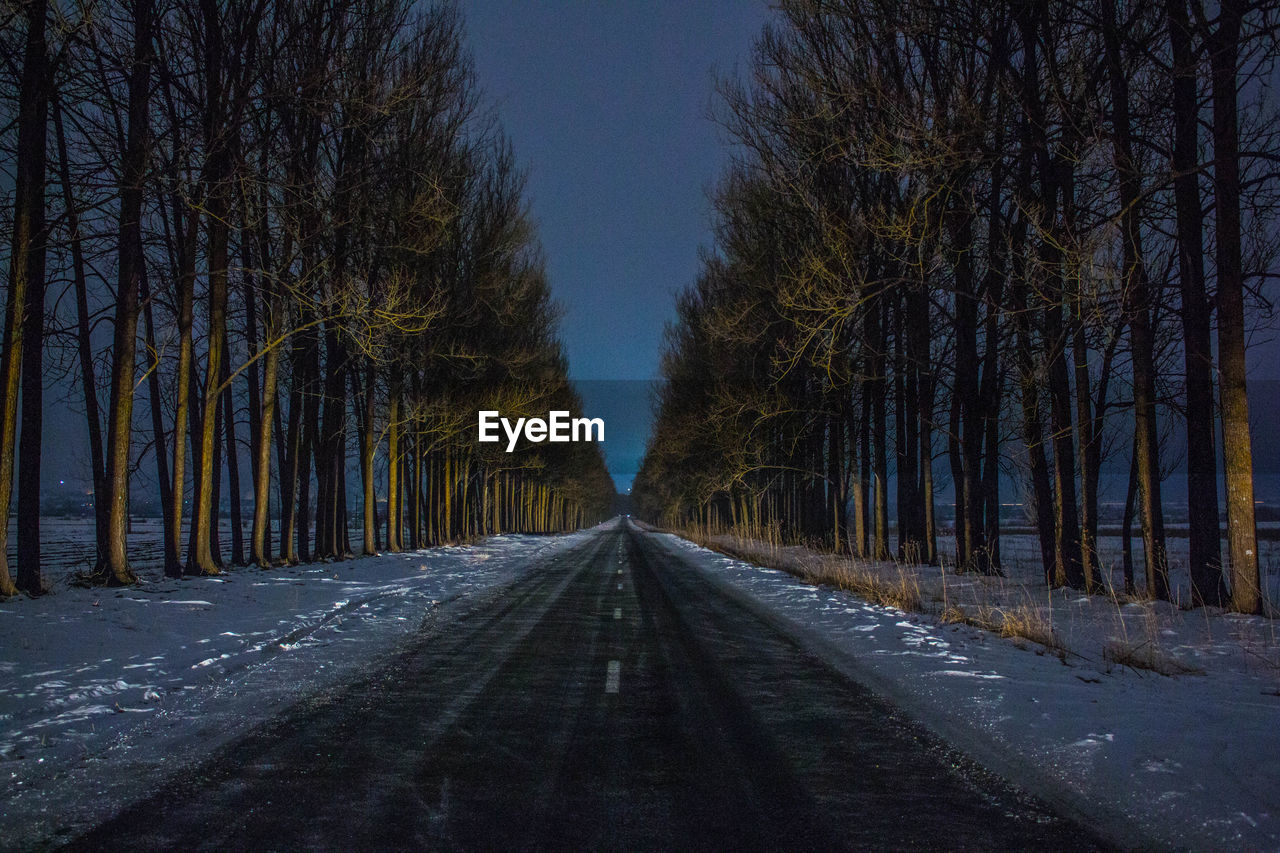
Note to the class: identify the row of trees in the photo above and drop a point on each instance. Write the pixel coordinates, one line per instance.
(308, 241)
(984, 236)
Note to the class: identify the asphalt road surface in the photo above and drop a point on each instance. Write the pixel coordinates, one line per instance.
(612, 698)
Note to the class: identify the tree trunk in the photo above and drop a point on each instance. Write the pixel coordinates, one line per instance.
(1089, 448)
(183, 410)
(233, 462)
(1237, 447)
(1126, 527)
(991, 386)
(1142, 337)
(205, 516)
(260, 547)
(24, 326)
(880, 462)
(971, 432)
(367, 442)
(259, 439)
(957, 483)
(310, 430)
(114, 567)
(217, 175)
(30, 439)
(195, 406)
(928, 388)
(1205, 549)
(291, 459)
(215, 529)
(28, 223)
(394, 523)
(858, 492)
(1029, 392)
(160, 444)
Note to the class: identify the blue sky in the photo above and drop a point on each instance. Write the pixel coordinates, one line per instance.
(607, 106)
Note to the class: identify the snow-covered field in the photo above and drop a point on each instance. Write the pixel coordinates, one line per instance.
(1187, 761)
(67, 545)
(1020, 559)
(103, 692)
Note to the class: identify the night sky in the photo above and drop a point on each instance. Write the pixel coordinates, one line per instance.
(607, 106)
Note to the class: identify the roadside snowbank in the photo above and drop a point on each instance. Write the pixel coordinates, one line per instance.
(105, 691)
(1189, 762)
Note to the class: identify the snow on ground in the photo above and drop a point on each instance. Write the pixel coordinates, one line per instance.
(1020, 559)
(103, 691)
(1187, 761)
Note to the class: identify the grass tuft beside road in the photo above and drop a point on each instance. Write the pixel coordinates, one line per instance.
(1110, 631)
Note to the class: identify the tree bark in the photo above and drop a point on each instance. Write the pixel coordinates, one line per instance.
(159, 442)
(114, 567)
(27, 297)
(1137, 298)
(970, 422)
(233, 462)
(260, 545)
(28, 223)
(394, 523)
(1237, 447)
(1204, 545)
(217, 176)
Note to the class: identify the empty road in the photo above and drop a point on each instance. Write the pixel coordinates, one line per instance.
(611, 698)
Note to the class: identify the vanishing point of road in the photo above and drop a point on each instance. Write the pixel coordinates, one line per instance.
(611, 698)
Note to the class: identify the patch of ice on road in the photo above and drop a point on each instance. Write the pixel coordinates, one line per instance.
(190, 602)
(73, 715)
(1161, 765)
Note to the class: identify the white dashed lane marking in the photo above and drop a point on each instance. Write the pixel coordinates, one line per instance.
(611, 680)
(617, 613)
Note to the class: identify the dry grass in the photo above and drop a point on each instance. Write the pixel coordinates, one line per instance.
(1020, 622)
(1063, 623)
(897, 587)
(1146, 656)
(901, 591)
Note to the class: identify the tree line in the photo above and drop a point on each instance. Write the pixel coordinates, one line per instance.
(980, 237)
(286, 231)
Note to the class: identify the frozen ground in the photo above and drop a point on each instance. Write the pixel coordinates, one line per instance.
(1020, 558)
(67, 545)
(1189, 761)
(103, 692)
